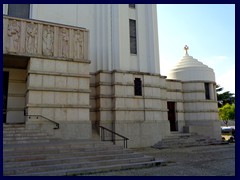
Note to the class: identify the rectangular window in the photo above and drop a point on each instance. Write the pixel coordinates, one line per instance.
(133, 36)
(207, 92)
(19, 10)
(137, 87)
(132, 5)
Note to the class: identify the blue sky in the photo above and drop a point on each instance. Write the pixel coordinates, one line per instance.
(208, 30)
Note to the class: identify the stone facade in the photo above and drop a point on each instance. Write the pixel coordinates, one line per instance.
(143, 119)
(55, 83)
(51, 75)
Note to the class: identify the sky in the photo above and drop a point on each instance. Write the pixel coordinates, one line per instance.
(208, 30)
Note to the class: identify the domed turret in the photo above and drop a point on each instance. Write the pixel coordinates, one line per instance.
(190, 69)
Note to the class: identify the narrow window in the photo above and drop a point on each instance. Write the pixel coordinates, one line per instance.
(132, 5)
(207, 92)
(133, 36)
(19, 10)
(138, 87)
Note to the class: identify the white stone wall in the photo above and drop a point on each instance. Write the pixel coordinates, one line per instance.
(109, 33)
(16, 95)
(59, 90)
(175, 94)
(201, 114)
(143, 119)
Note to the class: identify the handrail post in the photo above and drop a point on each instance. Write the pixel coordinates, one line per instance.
(113, 135)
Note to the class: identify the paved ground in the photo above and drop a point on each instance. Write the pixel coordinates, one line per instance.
(214, 160)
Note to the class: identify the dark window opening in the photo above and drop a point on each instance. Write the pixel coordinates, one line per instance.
(133, 36)
(19, 10)
(138, 87)
(132, 6)
(207, 92)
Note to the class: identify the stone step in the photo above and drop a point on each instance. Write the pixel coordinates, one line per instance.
(64, 160)
(184, 140)
(21, 170)
(69, 150)
(22, 131)
(45, 156)
(58, 146)
(33, 152)
(21, 138)
(85, 171)
(24, 134)
(26, 141)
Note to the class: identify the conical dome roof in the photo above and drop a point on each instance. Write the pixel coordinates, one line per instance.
(190, 69)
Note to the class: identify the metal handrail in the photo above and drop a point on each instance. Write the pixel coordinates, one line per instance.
(102, 134)
(37, 116)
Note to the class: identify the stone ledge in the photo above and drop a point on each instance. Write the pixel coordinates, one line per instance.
(184, 82)
(124, 84)
(129, 97)
(194, 91)
(58, 89)
(195, 101)
(129, 72)
(201, 111)
(127, 109)
(57, 106)
(174, 90)
(47, 57)
(58, 74)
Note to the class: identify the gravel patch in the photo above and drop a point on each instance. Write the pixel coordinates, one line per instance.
(213, 160)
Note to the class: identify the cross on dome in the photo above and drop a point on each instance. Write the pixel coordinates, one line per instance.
(186, 48)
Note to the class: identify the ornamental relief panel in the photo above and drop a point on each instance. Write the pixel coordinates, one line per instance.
(47, 40)
(13, 33)
(78, 45)
(63, 42)
(31, 37)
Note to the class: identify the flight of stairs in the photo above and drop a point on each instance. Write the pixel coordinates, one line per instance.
(34, 153)
(176, 140)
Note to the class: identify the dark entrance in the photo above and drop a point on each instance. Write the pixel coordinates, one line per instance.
(5, 95)
(172, 116)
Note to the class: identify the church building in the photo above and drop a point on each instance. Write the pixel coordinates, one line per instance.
(88, 65)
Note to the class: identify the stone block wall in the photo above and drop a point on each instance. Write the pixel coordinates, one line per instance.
(196, 106)
(143, 119)
(201, 114)
(59, 90)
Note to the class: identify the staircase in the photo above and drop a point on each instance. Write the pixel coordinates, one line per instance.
(34, 153)
(176, 140)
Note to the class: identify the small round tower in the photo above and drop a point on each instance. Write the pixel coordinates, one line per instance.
(190, 69)
(199, 96)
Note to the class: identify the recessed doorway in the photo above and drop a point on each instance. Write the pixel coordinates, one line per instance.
(172, 116)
